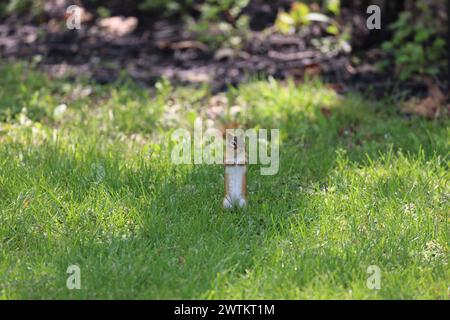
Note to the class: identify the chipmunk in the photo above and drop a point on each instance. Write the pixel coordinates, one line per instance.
(235, 172)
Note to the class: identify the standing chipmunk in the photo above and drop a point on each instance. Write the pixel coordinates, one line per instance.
(235, 172)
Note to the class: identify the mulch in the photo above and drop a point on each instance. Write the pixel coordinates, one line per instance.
(164, 48)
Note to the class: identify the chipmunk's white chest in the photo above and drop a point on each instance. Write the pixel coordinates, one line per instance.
(235, 186)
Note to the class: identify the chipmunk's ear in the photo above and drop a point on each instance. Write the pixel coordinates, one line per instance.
(228, 125)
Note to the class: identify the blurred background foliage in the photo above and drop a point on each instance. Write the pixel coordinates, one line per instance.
(412, 36)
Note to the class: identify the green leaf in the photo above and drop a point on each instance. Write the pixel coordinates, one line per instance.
(403, 58)
(421, 36)
(387, 46)
(333, 29)
(401, 34)
(439, 43)
(284, 23)
(299, 12)
(334, 6)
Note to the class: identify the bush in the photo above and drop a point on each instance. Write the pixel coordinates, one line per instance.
(417, 44)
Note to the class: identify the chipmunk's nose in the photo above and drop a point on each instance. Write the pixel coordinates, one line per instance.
(235, 143)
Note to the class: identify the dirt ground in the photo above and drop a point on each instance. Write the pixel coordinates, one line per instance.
(163, 47)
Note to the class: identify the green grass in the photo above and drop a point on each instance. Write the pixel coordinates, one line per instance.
(95, 187)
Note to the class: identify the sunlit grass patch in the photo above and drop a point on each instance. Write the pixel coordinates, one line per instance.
(94, 185)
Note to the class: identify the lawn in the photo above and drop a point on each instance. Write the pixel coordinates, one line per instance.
(93, 185)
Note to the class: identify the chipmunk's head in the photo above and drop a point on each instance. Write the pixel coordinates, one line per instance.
(235, 147)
